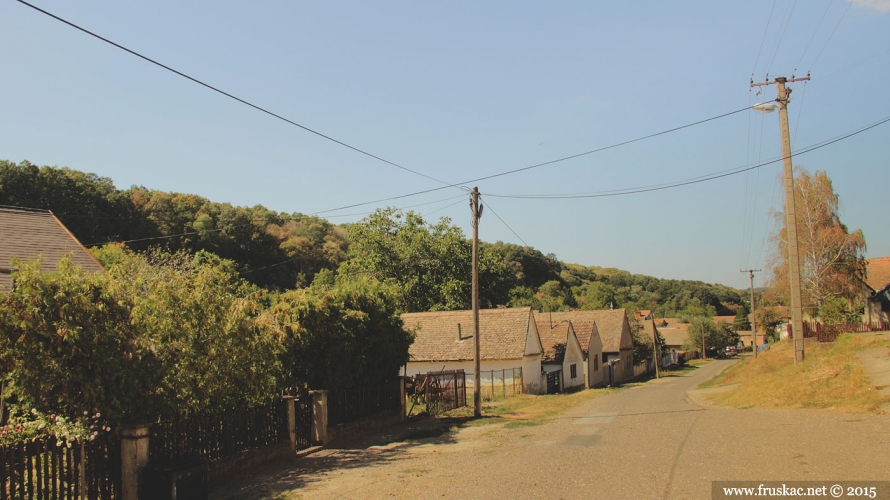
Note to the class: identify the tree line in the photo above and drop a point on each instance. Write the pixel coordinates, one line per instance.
(281, 251)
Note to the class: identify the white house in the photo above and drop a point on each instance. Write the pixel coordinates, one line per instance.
(591, 346)
(617, 342)
(508, 338)
(563, 356)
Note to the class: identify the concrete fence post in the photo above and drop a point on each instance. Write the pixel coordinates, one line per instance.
(319, 417)
(134, 457)
(291, 405)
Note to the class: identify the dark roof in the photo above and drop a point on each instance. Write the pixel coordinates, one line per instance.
(448, 335)
(27, 234)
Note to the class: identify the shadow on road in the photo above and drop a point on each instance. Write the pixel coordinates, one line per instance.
(278, 480)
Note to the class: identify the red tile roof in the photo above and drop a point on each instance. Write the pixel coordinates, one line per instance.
(878, 273)
(555, 342)
(448, 335)
(27, 234)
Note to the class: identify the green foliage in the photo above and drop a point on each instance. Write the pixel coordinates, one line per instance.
(836, 310)
(68, 346)
(26, 426)
(715, 336)
(218, 347)
(273, 250)
(741, 323)
(643, 346)
(342, 335)
(430, 263)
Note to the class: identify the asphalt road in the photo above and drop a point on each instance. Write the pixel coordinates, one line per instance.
(659, 440)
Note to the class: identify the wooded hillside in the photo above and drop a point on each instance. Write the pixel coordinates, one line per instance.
(281, 251)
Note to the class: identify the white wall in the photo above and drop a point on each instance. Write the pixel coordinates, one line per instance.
(573, 356)
(531, 370)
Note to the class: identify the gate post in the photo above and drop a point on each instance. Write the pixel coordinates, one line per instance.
(402, 399)
(134, 456)
(319, 417)
(290, 404)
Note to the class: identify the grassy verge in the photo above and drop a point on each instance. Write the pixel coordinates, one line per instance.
(830, 377)
(522, 410)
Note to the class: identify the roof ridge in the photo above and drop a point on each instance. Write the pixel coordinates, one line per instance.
(25, 209)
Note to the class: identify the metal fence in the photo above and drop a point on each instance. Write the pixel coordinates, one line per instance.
(353, 404)
(830, 333)
(48, 469)
(216, 435)
(496, 383)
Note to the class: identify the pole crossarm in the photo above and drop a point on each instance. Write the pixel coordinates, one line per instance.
(775, 80)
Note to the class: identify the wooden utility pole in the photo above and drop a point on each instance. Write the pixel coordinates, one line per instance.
(783, 99)
(753, 319)
(476, 210)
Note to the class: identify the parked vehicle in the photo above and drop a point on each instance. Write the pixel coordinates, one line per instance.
(732, 351)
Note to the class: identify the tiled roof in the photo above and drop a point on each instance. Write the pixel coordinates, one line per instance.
(610, 324)
(674, 333)
(448, 336)
(555, 342)
(878, 273)
(648, 331)
(28, 233)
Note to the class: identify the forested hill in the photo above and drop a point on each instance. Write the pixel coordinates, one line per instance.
(281, 251)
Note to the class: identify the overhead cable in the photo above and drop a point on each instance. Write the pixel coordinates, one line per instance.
(242, 101)
(694, 180)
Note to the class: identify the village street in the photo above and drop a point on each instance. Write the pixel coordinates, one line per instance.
(656, 440)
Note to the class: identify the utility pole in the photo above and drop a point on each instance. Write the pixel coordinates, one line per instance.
(655, 347)
(476, 210)
(783, 99)
(753, 318)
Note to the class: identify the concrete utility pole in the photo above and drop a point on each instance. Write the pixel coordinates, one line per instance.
(655, 347)
(753, 319)
(476, 210)
(783, 99)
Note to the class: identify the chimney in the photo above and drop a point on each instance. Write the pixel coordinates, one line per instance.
(459, 335)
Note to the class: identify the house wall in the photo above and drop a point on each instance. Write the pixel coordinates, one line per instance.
(530, 365)
(573, 356)
(594, 369)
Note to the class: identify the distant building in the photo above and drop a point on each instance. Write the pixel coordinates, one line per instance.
(877, 290)
(27, 234)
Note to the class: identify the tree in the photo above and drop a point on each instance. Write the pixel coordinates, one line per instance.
(430, 263)
(741, 322)
(831, 257)
(715, 336)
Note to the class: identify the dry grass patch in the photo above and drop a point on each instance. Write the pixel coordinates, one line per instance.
(526, 409)
(830, 377)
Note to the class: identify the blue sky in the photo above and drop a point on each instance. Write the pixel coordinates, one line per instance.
(461, 90)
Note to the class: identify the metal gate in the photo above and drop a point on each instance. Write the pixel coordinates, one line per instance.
(303, 424)
(553, 381)
(441, 391)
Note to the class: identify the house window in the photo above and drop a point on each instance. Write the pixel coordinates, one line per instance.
(596, 363)
(574, 370)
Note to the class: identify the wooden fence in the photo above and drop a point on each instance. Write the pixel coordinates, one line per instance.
(360, 402)
(48, 469)
(830, 333)
(217, 435)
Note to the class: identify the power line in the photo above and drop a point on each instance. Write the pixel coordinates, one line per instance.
(565, 158)
(694, 180)
(781, 37)
(814, 34)
(831, 35)
(242, 101)
(765, 31)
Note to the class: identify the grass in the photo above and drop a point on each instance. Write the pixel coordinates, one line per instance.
(829, 378)
(522, 410)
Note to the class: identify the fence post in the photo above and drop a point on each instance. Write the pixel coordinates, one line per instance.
(291, 405)
(82, 471)
(319, 417)
(134, 456)
(402, 400)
